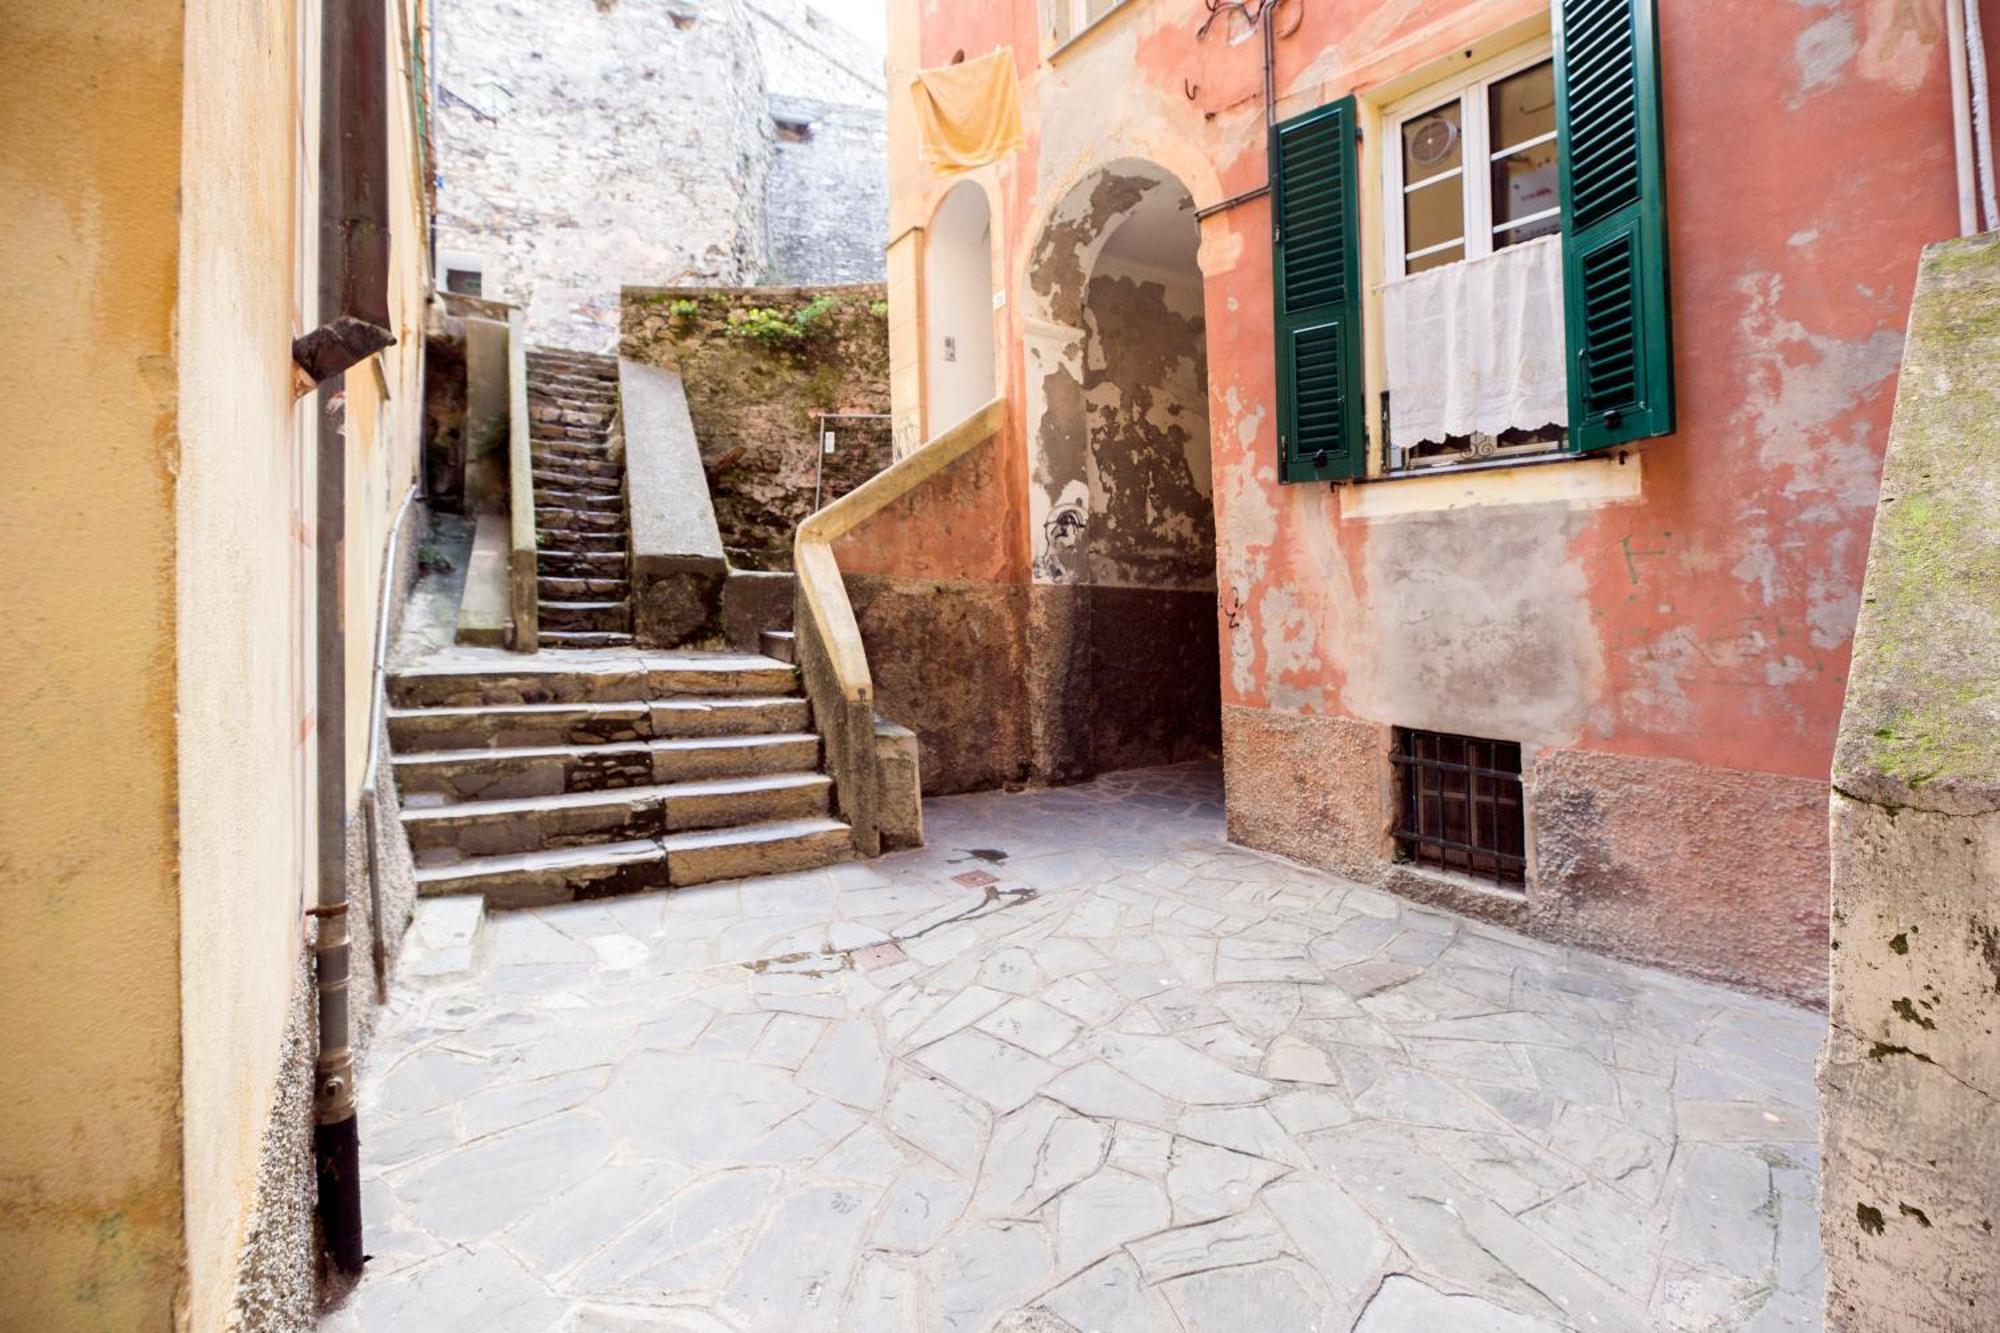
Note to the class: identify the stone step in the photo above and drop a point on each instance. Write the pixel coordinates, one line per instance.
(577, 475)
(443, 833)
(502, 678)
(580, 564)
(557, 449)
(602, 501)
(547, 770)
(550, 518)
(542, 433)
(513, 726)
(537, 879)
(781, 644)
(780, 847)
(589, 365)
(572, 375)
(444, 937)
(584, 638)
(564, 588)
(577, 539)
(554, 412)
(590, 617)
(567, 874)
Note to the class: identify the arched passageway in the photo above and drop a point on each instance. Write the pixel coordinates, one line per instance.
(1122, 496)
(958, 307)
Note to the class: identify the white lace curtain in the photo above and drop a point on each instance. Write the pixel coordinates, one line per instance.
(1477, 347)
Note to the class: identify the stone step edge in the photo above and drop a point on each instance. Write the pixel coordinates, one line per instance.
(525, 752)
(508, 806)
(596, 707)
(434, 881)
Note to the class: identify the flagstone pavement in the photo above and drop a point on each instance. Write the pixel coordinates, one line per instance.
(1078, 1064)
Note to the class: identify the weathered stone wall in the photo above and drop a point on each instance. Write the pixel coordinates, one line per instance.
(587, 143)
(827, 194)
(757, 363)
(1910, 1080)
(828, 197)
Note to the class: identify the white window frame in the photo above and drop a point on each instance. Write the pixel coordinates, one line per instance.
(1069, 21)
(1475, 147)
(465, 261)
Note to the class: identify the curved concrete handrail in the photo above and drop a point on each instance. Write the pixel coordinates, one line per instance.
(522, 574)
(831, 656)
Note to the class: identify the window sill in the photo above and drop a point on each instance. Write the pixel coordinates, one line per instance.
(1612, 478)
(1459, 893)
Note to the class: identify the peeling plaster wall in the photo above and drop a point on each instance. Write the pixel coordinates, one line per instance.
(1702, 629)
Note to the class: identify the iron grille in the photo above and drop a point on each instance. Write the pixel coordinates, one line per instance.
(1458, 804)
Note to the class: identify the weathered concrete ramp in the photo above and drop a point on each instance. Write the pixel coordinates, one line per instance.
(1910, 1081)
(678, 567)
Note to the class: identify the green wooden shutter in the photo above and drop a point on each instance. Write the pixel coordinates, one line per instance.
(1316, 251)
(1619, 327)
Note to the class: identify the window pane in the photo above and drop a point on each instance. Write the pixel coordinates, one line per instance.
(1433, 215)
(1523, 106)
(1437, 260)
(1524, 184)
(1432, 144)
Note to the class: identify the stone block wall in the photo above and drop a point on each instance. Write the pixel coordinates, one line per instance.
(827, 196)
(584, 145)
(757, 363)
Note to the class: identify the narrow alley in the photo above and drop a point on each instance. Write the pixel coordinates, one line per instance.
(1000, 666)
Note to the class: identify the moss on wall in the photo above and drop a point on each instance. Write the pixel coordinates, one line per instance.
(1918, 724)
(758, 363)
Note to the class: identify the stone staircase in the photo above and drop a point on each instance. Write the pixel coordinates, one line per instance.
(585, 597)
(591, 766)
(568, 775)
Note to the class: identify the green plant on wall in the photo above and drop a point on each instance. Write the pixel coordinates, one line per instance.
(776, 328)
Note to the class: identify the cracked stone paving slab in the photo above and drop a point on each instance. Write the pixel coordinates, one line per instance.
(1122, 1075)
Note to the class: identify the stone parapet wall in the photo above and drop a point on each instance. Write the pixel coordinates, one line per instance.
(1910, 1079)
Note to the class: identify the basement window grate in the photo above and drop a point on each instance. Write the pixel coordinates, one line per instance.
(1458, 805)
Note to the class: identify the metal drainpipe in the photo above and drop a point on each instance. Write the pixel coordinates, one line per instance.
(336, 1139)
(1262, 18)
(353, 303)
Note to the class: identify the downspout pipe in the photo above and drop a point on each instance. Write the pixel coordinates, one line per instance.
(1961, 118)
(1262, 17)
(354, 309)
(1982, 115)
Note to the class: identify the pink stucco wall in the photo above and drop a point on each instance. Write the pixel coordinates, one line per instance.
(1702, 627)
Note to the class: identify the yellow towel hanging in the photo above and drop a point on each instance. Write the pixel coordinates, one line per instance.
(970, 113)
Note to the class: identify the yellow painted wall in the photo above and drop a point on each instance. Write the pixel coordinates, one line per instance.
(90, 1146)
(247, 576)
(156, 574)
(244, 610)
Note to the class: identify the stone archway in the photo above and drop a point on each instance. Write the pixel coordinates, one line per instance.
(1123, 635)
